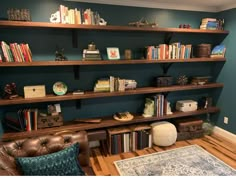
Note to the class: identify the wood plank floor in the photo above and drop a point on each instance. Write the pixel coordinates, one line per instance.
(102, 165)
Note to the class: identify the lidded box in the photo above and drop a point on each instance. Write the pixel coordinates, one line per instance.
(186, 105)
(203, 50)
(34, 91)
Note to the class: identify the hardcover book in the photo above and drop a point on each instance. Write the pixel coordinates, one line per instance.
(218, 51)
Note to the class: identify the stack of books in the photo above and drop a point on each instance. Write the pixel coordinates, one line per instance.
(102, 85)
(114, 84)
(209, 23)
(91, 55)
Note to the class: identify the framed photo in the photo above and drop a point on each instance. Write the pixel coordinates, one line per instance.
(113, 53)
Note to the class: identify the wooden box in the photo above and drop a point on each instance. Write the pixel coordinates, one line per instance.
(188, 125)
(34, 91)
(203, 50)
(189, 135)
(50, 121)
(163, 81)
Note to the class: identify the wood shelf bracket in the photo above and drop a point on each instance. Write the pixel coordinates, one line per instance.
(76, 72)
(165, 67)
(168, 37)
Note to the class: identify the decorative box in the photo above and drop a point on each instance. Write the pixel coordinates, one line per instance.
(203, 50)
(34, 91)
(163, 81)
(18, 14)
(190, 135)
(50, 121)
(200, 80)
(188, 124)
(186, 105)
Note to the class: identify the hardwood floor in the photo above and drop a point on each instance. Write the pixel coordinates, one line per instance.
(102, 165)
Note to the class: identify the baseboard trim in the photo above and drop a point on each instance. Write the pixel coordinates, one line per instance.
(225, 134)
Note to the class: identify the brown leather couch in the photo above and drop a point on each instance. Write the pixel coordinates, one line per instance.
(40, 146)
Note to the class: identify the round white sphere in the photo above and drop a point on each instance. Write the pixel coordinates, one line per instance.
(163, 133)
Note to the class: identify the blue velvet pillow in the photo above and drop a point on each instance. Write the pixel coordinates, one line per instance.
(64, 162)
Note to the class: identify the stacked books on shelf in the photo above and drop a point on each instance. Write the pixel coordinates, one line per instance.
(23, 120)
(126, 139)
(91, 55)
(114, 84)
(173, 51)
(211, 24)
(218, 51)
(102, 85)
(15, 52)
(78, 16)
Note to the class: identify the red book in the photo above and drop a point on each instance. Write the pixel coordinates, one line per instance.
(23, 49)
(14, 53)
(28, 51)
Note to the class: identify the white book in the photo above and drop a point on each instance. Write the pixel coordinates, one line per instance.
(124, 142)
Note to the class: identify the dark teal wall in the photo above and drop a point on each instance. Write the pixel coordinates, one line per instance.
(43, 43)
(227, 75)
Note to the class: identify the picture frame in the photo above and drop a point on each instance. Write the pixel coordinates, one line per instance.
(113, 53)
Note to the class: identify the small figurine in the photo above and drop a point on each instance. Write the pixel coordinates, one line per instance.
(55, 18)
(149, 108)
(10, 91)
(60, 55)
(168, 109)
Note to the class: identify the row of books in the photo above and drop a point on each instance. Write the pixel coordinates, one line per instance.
(114, 84)
(160, 105)
(78, 16)
(130, 141)
(212, 24)
(23, 120)
(15, 52)
(173, 51)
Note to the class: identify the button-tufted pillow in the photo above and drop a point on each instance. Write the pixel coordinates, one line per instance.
(64, 162)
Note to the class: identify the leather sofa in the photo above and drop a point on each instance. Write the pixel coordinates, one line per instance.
(42, 145)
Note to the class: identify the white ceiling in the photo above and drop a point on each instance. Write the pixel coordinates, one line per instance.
(192, 5)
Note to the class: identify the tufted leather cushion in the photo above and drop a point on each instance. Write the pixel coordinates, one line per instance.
(40, 146)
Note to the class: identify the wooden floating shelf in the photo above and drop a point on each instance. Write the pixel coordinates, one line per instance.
(106, 28)
(106, 122)
(91, 94)
(106, 62)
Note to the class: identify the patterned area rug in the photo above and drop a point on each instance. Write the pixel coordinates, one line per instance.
(186, 161)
